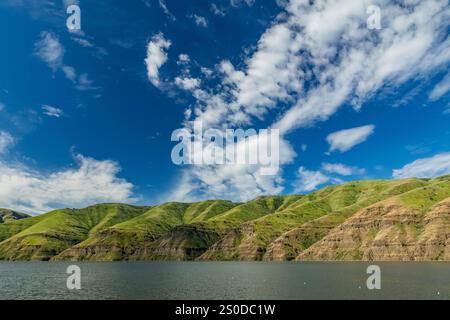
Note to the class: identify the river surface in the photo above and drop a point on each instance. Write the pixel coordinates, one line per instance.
(223, 280)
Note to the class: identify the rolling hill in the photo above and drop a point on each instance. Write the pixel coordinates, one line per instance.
(7, 215)
(393, 220)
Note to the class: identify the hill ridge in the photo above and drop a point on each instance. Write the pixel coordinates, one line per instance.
(407, 219)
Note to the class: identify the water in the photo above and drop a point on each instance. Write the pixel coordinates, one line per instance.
(223, 280)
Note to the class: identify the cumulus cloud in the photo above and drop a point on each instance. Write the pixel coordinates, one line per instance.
(345, 140)
(156, 57)
(187, 83)
(306, 69)
(52, 111)
(93, 181)
(441, 88)
(231, 180)
(425, 168)
(411, 44)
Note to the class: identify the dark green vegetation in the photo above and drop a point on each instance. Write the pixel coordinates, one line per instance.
(362, 220)
(7, 215)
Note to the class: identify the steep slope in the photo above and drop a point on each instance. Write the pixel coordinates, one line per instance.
(410, 226)
(10, 228)
(396, 220)
(291, 243)
(134, 239)
(188, 242)
(7, 215)
(317, 213)
(51, 233)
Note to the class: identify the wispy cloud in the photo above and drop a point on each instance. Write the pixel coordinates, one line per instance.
(309, 180)
(441, 88)
(52, 111)
(238, 3)
(217, 10)
(50, 50)
(425, 168)
(199, 20)
(163, 6)
(307, 70)
(342, 169)
(6, 141)
(345, 140)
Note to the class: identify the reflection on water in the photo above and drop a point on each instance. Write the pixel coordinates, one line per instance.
(224, 280)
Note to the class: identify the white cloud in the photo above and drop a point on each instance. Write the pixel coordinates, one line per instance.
(238, 3)
(50, 50)
(318, 56)
(426, 167)
(187, 83)
(345, 140)
(85, 83)
(218, 11)
(199, 20)
(70, 73)
(231, 181)
(83, 42)
(310, 180)
(183, 58)
(163, 6)
(156, 57)
(441, 88)
(91, 182)
(6, 141)
(342, 169)
(52, 111)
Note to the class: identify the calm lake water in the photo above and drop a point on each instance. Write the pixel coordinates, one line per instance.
(224, 280)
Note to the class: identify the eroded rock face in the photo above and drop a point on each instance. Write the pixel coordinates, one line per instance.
(292, 243)
(238, 244)
(387, 231)
(285, 246)
(434, 242)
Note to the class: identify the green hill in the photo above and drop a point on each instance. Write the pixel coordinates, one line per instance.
(362, 220)
(7, 215)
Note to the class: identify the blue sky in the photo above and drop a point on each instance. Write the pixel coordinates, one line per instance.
(87, 116)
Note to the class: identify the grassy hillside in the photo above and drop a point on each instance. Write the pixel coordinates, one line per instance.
(49, 234)
(7, 215)
(362, 220)
(134, 238)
